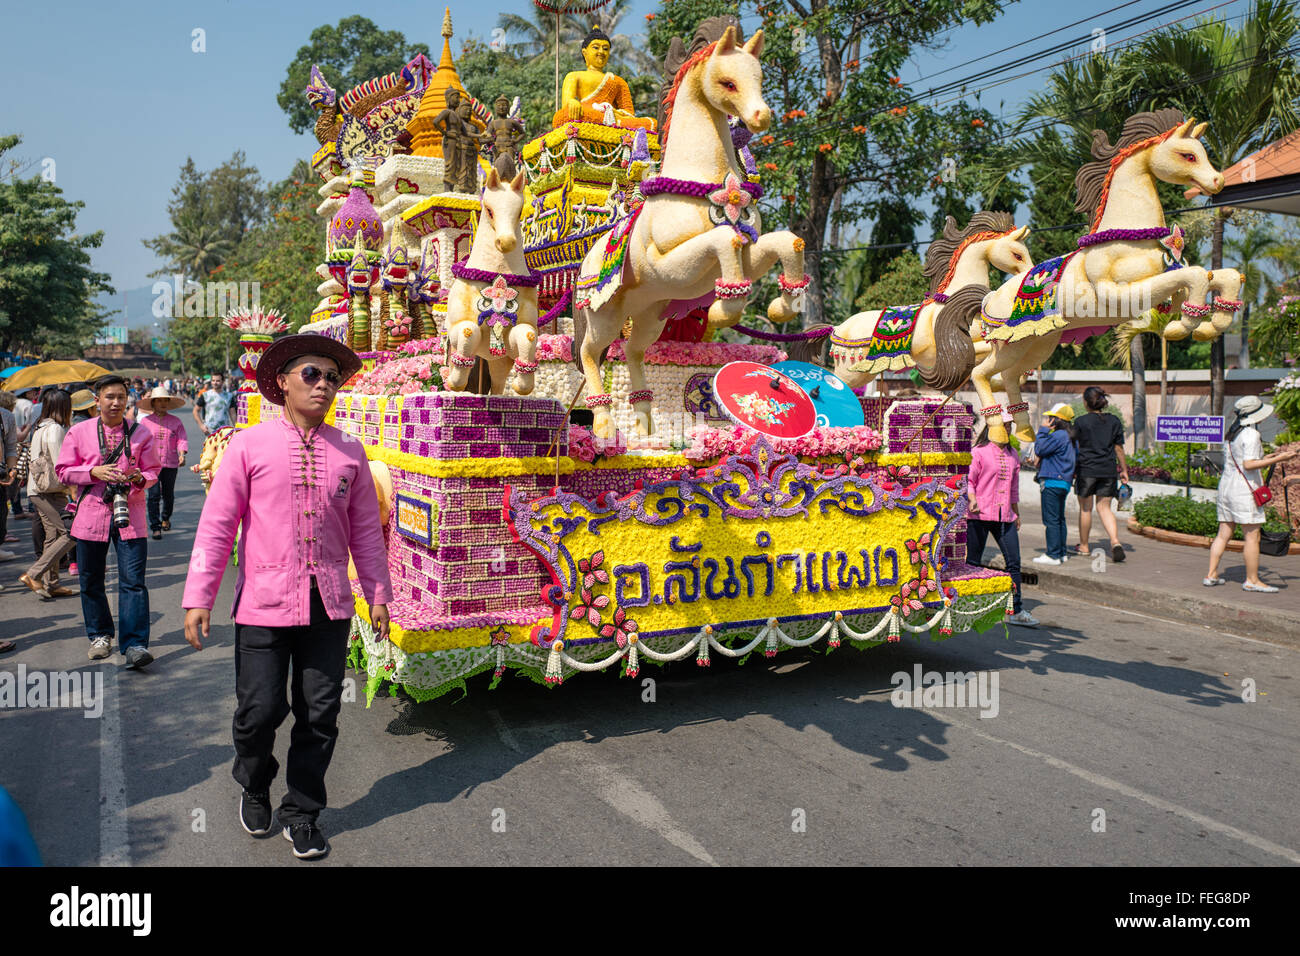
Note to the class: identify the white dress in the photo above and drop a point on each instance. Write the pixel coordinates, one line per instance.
(1236, 500)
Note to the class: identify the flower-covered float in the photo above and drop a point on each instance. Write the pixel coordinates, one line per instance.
(521, 541)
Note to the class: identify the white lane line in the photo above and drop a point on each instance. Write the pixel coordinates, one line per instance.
(630, 799)
(114, 837)
(1097, 779)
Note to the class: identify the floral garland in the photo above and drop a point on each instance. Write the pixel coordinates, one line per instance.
(586, 446)
(505, 467)
(401, 376)
(709, 443)
(701, 353)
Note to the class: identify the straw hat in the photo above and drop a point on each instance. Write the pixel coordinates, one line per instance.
(175, 401)
(1252, 409)
(1062, 411)
(82, 399)
(282, 351)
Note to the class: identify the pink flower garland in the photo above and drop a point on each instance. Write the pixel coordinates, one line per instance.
(702, 353)
(585, 446)
(712, 443)
(401, 376)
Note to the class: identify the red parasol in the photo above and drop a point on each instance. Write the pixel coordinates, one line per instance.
(764, 399)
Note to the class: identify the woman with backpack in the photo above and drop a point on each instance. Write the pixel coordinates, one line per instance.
(1054, 447)
(49, 496)
(1241, 489)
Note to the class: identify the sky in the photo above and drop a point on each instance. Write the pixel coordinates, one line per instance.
(115, 95)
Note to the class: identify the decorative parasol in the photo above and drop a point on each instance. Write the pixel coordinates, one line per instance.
(837, 406)
(568, 7)
(55, 373)
(764, 399)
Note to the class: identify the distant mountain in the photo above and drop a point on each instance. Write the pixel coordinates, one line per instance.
(132, 307)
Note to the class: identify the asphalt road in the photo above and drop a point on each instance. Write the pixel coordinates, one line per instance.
(800, 759)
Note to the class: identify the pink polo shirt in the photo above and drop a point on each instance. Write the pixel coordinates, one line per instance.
(168, 437)
(995, 481)
(80, 453)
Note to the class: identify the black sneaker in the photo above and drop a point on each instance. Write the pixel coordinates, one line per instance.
(308, 842)
(255, 813)
(137, 657)
(157, 534)
(1117, 553)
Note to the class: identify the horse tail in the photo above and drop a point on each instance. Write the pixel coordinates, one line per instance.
(954, 351)
(811, 348)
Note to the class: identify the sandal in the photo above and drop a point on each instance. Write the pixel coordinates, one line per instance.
(1211, 582)
(1262, 589)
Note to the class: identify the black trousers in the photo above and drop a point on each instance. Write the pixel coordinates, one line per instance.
(165, 489)
(264, 658)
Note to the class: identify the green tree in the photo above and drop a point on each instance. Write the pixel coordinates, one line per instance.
(47, 285)
(901, 282)
(353, 51)
(489, 73)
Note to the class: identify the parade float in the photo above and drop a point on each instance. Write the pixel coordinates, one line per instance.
(491, 290)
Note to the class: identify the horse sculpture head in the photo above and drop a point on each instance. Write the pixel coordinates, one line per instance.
(503, 201)
(732, 80)
(1009, 253)
(727, 76)
(1181, 160)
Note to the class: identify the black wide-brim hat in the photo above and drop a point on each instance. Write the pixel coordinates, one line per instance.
(290, 347)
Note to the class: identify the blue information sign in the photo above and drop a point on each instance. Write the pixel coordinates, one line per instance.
(1207, 429)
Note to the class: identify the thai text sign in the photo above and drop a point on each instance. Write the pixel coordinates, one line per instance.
(757, 536)
(1207, 429)
(416, 518)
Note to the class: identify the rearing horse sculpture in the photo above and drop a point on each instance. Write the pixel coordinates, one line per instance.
(1128, 262)
(935, 335)
(695, 240)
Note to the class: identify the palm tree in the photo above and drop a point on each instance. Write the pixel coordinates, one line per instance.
(1254, 250)
(1244, 81)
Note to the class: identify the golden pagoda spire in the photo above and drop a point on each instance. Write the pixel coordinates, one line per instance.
(425, 139)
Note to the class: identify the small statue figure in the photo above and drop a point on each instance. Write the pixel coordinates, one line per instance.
(592, 95)
(454, 130)
(472, 140)
(507, 133)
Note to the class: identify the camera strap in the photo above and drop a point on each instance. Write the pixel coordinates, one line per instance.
(111, 457)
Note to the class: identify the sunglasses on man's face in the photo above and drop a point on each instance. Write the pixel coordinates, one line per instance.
(311, 374)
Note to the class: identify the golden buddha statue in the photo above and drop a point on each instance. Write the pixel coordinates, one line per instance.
(593, 95)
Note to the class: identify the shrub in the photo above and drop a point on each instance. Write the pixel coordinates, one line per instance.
(1176, 513)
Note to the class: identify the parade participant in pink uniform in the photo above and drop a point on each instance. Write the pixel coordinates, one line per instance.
(302, 493)
(107, 459)
(171, 443)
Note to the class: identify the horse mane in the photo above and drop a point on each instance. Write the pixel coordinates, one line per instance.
(681, 59)
(1140, 130)
(954, 351)
(941, 257)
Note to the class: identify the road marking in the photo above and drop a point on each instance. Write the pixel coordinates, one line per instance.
(114, 836)
(627, 797)
(1097, 779)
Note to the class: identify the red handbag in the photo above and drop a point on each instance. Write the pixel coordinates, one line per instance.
(1262, 494)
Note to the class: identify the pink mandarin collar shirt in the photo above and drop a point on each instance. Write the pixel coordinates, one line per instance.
(994, 480)
(301, 507)
(80, 453)
(168, 437)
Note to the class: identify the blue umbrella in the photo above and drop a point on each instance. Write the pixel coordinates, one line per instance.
(837, 406)
(9, 371)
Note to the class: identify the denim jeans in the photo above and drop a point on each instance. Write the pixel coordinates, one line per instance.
(1053, 502)
(164, 488)
(132, 596)
(264, 657)
(1008, 539)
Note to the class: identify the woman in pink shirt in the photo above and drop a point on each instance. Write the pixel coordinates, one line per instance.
(993, 490)
(171, 444)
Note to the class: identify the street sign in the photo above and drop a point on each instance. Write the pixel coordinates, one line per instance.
(1207, 429)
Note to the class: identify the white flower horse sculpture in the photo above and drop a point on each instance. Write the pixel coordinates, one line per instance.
(935, 336)
(1127, 263)
(695, 239)
(492, 305)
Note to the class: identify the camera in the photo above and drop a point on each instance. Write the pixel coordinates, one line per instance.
(115, 497)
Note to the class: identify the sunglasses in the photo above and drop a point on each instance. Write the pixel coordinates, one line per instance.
(312, 374)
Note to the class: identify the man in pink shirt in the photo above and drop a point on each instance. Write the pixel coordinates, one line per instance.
(110, 462)
(171, 444)
(302, 494)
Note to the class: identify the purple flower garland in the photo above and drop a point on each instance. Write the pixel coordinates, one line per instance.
(687, 187)
(1120, 235)
(483, 275)
(784, 336)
